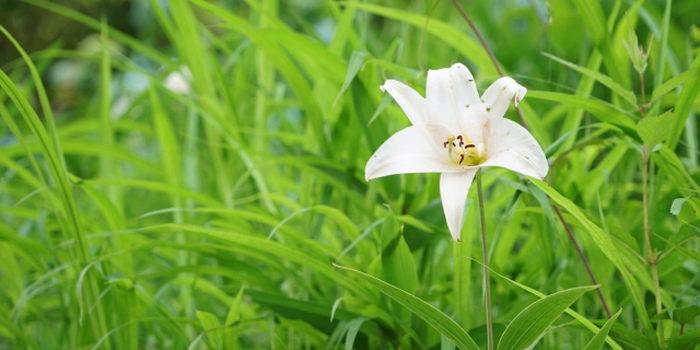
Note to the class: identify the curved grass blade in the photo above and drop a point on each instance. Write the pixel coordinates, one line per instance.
(434, 317)
(684, 105)
(690, 75)
(51, 149)
(601, 110)
(530, 323)
(445, 32)
(600, 77)
(18, 333)
(599, 339)
(95, 24)
(603, 241)
(254, 246)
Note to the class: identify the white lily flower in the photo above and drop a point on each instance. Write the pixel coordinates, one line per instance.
(455, 132)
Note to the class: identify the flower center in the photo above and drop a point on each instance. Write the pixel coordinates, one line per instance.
(462, 152)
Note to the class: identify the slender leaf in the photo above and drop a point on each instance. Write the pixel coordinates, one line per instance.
(436, 319)
(604, 242)
(599, 339)
(212, 327)
(356, 60)
(602, 78)
(530, 323)
(601, 110)
(690, 75)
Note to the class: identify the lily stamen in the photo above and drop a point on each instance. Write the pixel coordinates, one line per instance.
(462, 149)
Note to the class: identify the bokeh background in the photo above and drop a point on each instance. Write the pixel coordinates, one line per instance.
(202, 163)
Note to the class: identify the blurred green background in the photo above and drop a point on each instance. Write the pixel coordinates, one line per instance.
(214, 172)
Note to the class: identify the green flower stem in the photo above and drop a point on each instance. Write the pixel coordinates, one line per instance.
(524, 124)
(462, 281)
(651, 259)
(485, 253)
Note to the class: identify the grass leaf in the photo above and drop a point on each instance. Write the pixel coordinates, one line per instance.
(530, 323)
(434, 317)
(599, 339)
(600, 77)
(604, 242)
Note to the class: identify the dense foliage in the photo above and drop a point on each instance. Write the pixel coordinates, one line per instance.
(197, 180)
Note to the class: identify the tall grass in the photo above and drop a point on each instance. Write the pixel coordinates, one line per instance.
(234, 213)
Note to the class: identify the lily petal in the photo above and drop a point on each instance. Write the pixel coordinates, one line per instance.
(410, 101)
(454, 188)
(512, 147)
(498, 96)
(411, 150)
(448, 93)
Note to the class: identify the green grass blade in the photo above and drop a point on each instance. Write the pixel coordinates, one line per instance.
(600, 77)
(690, 75)
(584, 321)
(285, 66)
(434, 317)
(663, 47)
(604, 242)
(684, 105)
(18, 333)
(95, 25)
(602, 110)
(594, 18)
(56, 164)
(530, 323)
(599, 339)
(452, 36)
(356, 60)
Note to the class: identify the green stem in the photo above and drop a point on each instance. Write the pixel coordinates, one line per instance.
(462, 281)
(644, 102)
(485, 253)
(651, 260)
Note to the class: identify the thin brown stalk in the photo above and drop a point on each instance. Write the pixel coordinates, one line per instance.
(478, 35)
(488, 51)
(422, 34)
(585, 261)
